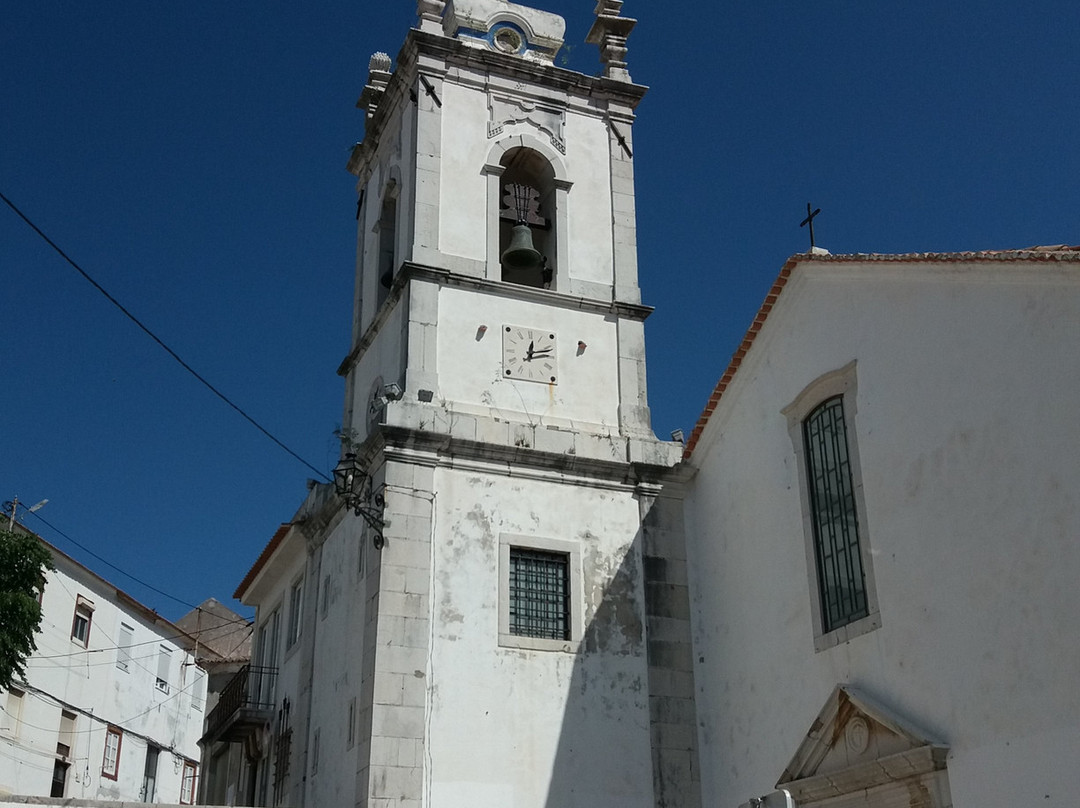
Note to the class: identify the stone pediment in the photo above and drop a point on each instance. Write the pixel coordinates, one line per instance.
(856, 744)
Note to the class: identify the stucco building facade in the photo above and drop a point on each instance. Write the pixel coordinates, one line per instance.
(882, 512)
(113, 700)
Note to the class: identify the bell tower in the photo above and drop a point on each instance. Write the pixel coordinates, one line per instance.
(518, 642)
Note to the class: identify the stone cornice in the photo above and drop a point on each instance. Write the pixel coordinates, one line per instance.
(455, 53)
(410, 271)
(395, 442)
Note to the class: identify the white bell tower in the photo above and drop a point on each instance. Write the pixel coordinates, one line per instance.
(525, 635)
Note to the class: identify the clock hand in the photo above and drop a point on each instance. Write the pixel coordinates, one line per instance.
(529, 352)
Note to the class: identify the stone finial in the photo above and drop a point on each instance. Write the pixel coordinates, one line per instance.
(378, 78)
(610, 32)
(379, 62)
(430, 13)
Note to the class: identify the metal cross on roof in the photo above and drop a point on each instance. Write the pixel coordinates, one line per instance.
(809, 220)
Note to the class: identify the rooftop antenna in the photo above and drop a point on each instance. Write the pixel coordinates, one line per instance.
(809, 220)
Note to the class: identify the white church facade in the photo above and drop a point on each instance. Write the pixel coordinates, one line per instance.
(850, 588)
(883, 497)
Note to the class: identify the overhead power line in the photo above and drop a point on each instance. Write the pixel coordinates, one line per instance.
(112, 566)
(241, 621)
(157, 339)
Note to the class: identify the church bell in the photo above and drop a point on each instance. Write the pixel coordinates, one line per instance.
(521, 254)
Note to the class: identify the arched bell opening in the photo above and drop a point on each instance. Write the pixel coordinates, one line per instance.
(527, 234)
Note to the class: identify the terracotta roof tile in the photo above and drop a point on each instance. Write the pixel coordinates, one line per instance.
(260, 562)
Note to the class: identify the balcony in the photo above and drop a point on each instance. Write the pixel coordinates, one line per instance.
(246, 704)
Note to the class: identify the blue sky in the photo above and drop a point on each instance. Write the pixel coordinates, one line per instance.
(191, 157)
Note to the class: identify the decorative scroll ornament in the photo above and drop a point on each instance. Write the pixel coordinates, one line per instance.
(507, 111)
(360, 494)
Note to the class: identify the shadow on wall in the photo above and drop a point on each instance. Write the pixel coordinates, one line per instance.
(628, 734)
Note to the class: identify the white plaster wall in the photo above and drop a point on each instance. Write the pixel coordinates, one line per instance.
(967, 377)
(465, 149)
(543, 727)
(61, 674)
(589, 201)
(338, 645)
(268, 593)
(463, 186)
(470, 369)
(384, 359)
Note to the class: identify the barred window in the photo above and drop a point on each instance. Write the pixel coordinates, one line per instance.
(539, 594)
(833, 515)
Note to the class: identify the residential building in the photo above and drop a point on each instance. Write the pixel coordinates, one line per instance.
(223, 650)
(112, 703)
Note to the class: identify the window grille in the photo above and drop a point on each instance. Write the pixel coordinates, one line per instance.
(539, 594)
(841, 581)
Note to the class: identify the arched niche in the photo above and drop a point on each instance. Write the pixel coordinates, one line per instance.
(528, 161)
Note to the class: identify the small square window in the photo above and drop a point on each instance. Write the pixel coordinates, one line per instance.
(540, 593)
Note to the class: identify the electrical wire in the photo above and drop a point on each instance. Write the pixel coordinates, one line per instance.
(112, 566)
(157, 339)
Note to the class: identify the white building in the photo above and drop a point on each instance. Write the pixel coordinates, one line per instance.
(523, 597)
(112, 704)
(882, 521)
(488, 621)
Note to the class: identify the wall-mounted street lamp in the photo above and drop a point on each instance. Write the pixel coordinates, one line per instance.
(357, 489)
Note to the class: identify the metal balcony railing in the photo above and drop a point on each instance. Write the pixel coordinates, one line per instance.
(246, 702)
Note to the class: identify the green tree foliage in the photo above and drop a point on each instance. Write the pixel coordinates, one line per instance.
(23, 561)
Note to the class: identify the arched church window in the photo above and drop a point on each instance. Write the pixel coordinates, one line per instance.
(527, 237)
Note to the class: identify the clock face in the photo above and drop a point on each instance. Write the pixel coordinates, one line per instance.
(529, 354)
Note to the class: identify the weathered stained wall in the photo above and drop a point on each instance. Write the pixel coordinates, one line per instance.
(544, 727)
(965, 426)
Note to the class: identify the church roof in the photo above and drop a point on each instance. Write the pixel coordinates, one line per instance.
(1049, 253)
